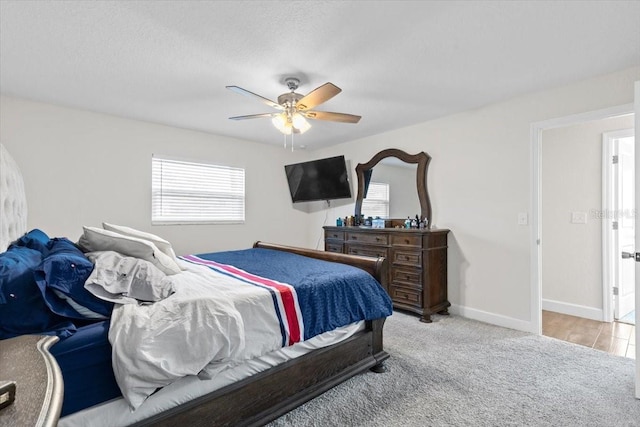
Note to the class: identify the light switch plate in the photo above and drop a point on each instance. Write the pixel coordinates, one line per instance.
(523, 218)
(578, 217)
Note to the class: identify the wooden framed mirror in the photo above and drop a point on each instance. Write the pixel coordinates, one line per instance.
(420, 159)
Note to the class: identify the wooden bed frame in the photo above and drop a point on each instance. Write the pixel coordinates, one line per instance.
(263, 397)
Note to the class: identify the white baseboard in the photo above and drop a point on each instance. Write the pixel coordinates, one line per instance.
(494, 319)
(573, 309)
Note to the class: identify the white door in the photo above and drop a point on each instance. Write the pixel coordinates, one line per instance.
(624, 290)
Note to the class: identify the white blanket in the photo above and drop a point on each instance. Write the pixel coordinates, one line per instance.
(202, 325)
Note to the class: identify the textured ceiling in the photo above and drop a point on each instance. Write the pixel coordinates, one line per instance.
(397, 62)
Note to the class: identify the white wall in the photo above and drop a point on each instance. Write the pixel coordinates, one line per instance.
(83, 168)
(479, 180)
(571, 160)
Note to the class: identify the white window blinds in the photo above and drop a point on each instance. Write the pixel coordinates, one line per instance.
(189, 192)
(377, 202)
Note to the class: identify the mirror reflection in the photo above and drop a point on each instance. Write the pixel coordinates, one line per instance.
(392, 190)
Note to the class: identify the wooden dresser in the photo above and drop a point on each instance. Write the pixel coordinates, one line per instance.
(417, 279)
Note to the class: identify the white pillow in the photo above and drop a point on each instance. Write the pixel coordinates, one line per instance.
(96, 239)
(126, 280)
(161, 243)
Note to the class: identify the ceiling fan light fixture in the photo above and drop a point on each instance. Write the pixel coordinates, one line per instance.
(282, 124)
(294, 123)
(300, 123)
(295, 108)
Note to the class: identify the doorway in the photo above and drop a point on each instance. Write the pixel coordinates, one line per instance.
(577, 206)
(535, 241)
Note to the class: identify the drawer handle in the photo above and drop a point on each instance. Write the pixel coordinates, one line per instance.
(354, 251)
(406, 241)
(354, 237)
(407, 277)
(378, 239)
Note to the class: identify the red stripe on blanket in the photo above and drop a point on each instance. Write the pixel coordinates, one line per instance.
(285, 292)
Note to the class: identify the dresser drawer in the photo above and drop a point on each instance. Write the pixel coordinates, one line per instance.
(406, 296)
(336, 235)
(406, 239)
(368, 238)
(407, 257)
(407, 276)
(372, 251)
(333, 247)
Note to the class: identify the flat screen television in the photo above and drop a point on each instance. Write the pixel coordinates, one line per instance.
(324, 179)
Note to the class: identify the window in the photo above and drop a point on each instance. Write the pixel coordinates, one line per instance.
(189, 192)
(377, 201)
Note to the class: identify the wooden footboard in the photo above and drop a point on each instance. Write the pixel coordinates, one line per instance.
(264, 397)
(377, 267)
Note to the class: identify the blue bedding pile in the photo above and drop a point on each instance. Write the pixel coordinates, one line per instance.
(42, 288)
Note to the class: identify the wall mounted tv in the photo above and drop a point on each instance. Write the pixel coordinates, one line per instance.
(324, 179)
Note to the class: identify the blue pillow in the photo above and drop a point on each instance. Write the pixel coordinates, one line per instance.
(61, 276)
(22, 308)
(35, 239)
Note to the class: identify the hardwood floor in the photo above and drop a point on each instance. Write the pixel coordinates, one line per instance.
(615, 337)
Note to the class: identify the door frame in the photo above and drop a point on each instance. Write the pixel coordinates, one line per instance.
(609, 252)
(536, 196)
(636, 97)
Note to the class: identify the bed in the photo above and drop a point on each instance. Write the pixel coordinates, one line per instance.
(251, 393)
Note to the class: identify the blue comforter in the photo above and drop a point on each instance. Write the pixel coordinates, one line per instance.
(330, 294)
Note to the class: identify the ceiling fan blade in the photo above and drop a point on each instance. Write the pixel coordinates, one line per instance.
(245, 92)
(254, 116)
(318, 96)
(334, 117)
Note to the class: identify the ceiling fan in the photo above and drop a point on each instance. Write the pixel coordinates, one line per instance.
(295, 108)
